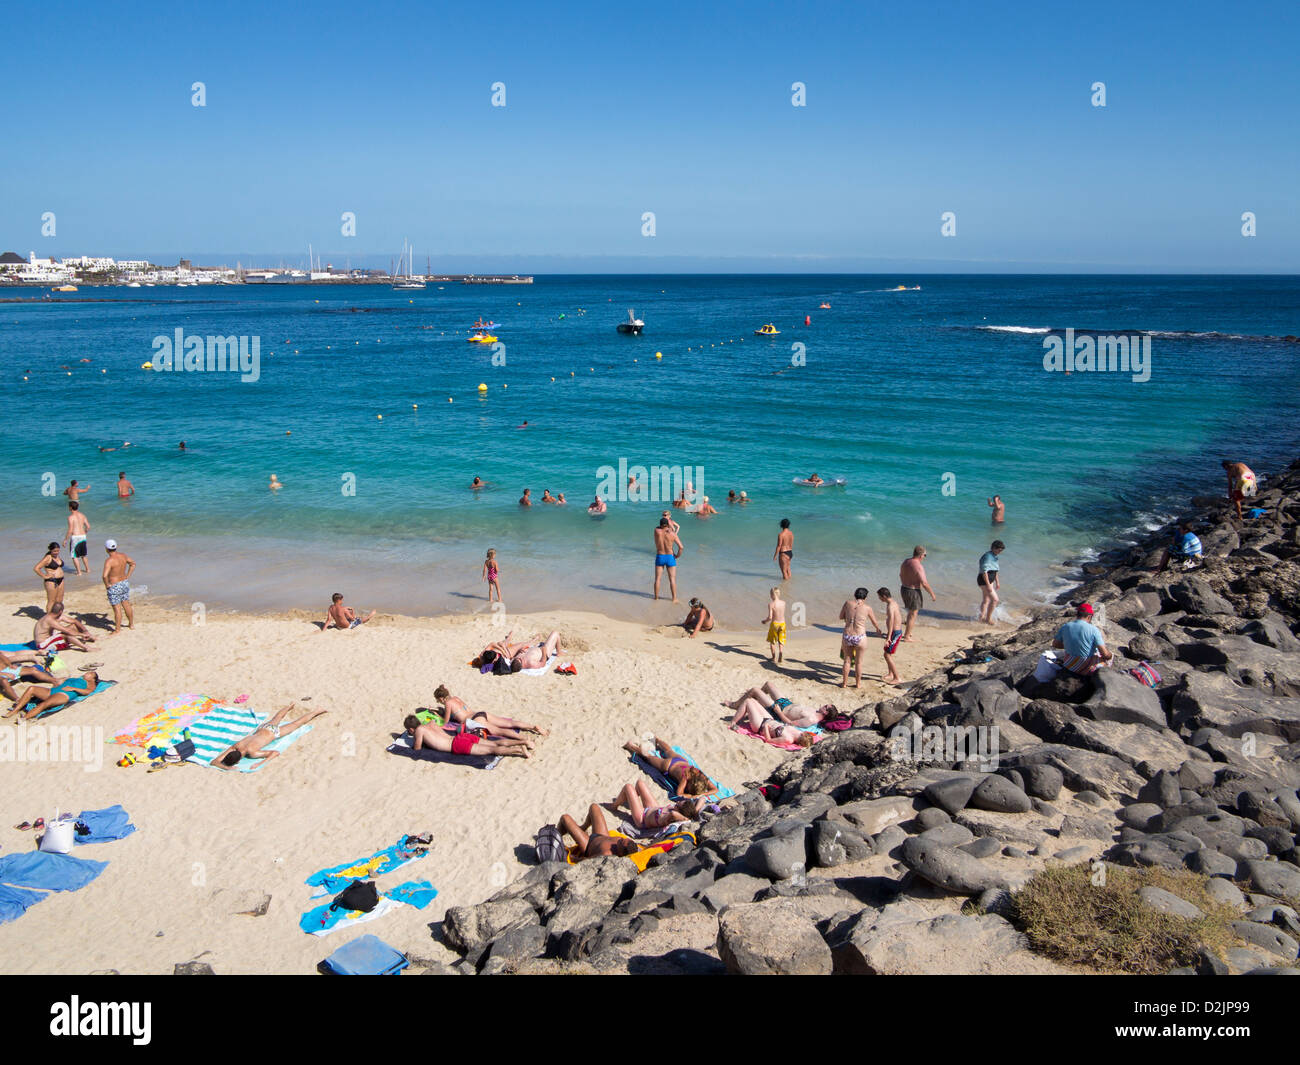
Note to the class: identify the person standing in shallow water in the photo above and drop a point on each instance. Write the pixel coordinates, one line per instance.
(668, 549)
(988, 581)
(999, 510)
(911, 575)
(784, 549)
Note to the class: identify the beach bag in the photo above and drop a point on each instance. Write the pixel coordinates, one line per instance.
(359, 895)
(1146, 673)
(1047, 668)
(185, 749)
(59, 836)
(550, 845)
(837, 722)
(364, 956)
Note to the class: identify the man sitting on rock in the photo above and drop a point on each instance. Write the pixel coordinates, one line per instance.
(1186, 548)
(1083, 643)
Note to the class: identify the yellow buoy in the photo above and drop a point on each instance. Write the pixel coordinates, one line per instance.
(659, 354)
(415, 406)
(289, 432)
(143, 366)
(449, 399)
(551, 378)
(380, 417)
(505, 386)
(482, 387)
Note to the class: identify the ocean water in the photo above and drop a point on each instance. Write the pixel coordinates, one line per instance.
(925, 401)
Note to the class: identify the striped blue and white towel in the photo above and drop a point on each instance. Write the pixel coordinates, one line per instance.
(224, 725)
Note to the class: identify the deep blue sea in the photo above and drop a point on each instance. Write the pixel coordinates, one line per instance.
(925, 401)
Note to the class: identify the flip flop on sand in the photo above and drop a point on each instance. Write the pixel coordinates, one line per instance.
(40, 824)
(25, 826)
(89, 666)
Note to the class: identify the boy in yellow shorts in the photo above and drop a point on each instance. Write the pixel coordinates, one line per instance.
(776, 626)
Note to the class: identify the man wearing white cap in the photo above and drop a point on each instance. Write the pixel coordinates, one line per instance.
(117, 572)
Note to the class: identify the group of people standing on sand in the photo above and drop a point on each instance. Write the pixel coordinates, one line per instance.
(117, 569)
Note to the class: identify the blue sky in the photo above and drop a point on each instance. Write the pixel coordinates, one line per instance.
(683, 109)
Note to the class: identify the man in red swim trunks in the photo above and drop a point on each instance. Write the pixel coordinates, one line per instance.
(55, 632)
(461, 740)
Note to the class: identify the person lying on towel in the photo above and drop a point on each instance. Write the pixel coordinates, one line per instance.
(463, 739)
(29, 669)
(268, 732)
(599, 842)
(530, 654)
(691, 782)
(47, 697)
(496, 726)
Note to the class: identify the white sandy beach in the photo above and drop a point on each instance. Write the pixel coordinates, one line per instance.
(210, 844)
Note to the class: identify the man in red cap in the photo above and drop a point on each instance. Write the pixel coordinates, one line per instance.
(1083, 643)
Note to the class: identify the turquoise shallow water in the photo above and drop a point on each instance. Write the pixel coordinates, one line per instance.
(891, 390)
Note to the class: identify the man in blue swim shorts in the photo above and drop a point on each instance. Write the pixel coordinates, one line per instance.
(668, 548)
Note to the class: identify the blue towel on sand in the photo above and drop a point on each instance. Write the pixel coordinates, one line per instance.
(74, 697)
(107, 824)
(53, 872)
(417, 893)
(30, 645)
(670, 785)
(334, 879)
(365, 956)
(14, 902)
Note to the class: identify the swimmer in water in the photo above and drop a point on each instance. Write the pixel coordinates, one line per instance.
(478, 482)
(275, 485)
(524, 426)
(814, 479)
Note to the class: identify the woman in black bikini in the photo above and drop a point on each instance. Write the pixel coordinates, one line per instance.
(50, 570)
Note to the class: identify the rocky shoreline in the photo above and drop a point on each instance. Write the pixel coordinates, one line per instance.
(899, 846)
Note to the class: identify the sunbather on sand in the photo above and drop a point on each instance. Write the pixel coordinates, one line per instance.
(436, 738)
(769, 699)
(492, 724)
(47, 698)
(689, 780)
(599, 842)
(338, 616)
(11, 672)
(24, 665)
(267, 732)
(646, 814)
(531, 654)
(56, 631)
(769, 727)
